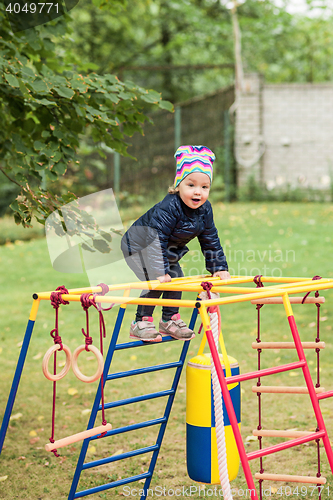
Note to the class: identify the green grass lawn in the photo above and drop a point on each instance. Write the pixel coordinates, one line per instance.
(270, 239)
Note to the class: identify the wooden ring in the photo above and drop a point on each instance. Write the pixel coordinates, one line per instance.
(100, 362)
(46, 359)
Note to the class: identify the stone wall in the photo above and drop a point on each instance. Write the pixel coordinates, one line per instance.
(284, 134)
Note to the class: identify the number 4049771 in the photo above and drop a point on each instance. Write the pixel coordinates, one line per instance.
(32, 8)
(302, 491)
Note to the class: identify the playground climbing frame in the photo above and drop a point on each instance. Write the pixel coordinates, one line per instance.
(235, 290)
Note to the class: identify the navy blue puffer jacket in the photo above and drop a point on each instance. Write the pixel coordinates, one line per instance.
(166, 229)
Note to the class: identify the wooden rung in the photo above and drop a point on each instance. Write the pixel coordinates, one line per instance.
(278, 433)
(287, 345)
(293, 300)
(78, 437)
(277, 389)
(292, 479)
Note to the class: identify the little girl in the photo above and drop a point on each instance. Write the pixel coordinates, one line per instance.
(156, 242)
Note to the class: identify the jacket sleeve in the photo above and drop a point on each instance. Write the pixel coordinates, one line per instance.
(211, 246)
(162, 223)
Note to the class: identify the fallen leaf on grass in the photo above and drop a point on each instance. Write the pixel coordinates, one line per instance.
(311, 325)
(21, 458)
(118, 452)
(41, 417)
(38, 356)
(19, 344)
(293, 374)
(72, 391)
(248, 439)
(91, 450)
(34, 440)
(3, 478)
(32, 433)
(16, 416)
(1, 350)
(133, 357)
(86, 411)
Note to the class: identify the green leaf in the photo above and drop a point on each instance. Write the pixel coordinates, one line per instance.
(150, 98)
(166, 105)
(130, 128)
(84, 246)
(12, 80)
(46, 102)
(101, 246)
(57, 156)
(39, 86)
(111, 78)
(39, 145)
(106, 236)
(65, 92)
(58, 134)
(59, 168)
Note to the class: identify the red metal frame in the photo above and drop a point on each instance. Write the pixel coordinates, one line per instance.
(314, 397)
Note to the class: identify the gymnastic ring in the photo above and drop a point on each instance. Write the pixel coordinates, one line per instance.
(76, 369)
(46, 359)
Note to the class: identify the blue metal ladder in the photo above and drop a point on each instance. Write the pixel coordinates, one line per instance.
(162, 421)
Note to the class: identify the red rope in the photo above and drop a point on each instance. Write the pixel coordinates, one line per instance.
(307, 294)
(105, 290)
(102, 334)
(257, 281)
(87, 302)
(56, 300)
(259, 284)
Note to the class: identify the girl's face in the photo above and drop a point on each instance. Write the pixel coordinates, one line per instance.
(194, 189)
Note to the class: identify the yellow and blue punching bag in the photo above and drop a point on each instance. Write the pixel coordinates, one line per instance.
(201, 445)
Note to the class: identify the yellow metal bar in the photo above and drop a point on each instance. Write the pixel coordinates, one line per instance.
(34, 310)
(131, 300)
(126, 294)
(268, 292)
(204, 317)
(287, 305)
(202, 344)
(270, 279)
(187, 284)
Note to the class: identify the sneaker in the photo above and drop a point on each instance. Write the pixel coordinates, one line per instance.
(176, 328)
(145, 330)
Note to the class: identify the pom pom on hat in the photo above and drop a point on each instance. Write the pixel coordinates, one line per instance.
(193, 159)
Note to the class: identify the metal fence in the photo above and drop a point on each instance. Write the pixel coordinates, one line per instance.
(197, 121)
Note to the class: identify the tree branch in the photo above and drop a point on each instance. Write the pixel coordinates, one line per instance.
(10, 179)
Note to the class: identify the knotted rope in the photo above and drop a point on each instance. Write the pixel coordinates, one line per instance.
(86, 302)
(56, 300)
(218, 408)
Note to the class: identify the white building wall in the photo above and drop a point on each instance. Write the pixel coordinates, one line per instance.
(297, 130)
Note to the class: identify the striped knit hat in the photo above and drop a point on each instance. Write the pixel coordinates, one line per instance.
(193, 159)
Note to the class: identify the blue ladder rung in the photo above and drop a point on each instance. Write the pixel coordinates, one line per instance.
(133, 427)
(138, 343)
(121, 456)
(140, 371)
(114, 484)
(137, 399)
